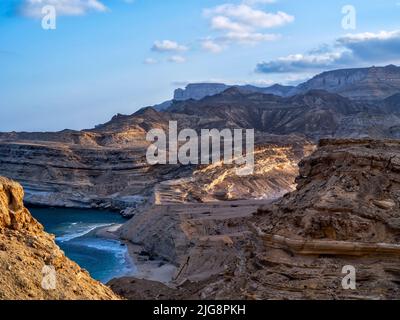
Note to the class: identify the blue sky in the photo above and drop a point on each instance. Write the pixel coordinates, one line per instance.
(115, 56)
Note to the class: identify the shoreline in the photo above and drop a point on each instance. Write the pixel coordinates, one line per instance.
(146, 269)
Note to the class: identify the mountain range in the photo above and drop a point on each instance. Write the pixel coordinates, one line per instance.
(219, 230)
(371, 84)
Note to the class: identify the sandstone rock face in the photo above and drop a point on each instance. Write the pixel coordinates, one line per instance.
(345, 212)
(276, 166)
(200, 239)
(27, 253)
(106, 167)
(74, 175)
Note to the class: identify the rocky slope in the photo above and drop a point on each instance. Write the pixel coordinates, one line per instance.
(373, 83)
(345, 211)
(106, 166)
(198, 91)
(26, 251)
(274, 175)
(315, 114)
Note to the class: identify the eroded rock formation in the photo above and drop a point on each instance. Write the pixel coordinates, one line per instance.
(345, 211)
(27, 254)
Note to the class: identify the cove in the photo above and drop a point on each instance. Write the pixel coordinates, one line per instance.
(103, 258)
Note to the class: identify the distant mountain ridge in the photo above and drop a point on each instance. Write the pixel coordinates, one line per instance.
(198, 91)
(368, 84)
(374, 83)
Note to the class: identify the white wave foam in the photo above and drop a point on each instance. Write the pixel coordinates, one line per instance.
(84, 230)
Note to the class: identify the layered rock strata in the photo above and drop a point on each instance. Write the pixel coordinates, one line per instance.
(344, 212)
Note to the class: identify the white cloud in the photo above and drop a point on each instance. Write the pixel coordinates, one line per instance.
(251, 17)
(299, 62)
(229, 82)
(350, 50)
(243, 24)
(368, 36)
(168, 46)
(212, 46)
(225, 23)
(372, 47)
(150, 61)
(255, 2)
(33, 8)
(177, 59)
(249, 37)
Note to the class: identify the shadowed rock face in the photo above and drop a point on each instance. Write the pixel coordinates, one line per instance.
(315, 114)
(348, 190)
(75, 175)
(345, 211)
(25, 249)
(373, 83)
(198, 91)
(106, 166)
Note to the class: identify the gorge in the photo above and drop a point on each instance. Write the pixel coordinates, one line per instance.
(324, 193)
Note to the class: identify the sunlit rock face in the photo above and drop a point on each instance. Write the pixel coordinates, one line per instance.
(344, 213)
(31, 265)
(106, 167)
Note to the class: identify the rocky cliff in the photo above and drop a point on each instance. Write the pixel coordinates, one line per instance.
(198, 91)
(373, 83)
(106, 166)
(315, 114)
(345, 212)
(31, 265)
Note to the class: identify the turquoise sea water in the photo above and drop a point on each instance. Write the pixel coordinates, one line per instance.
(103, 258)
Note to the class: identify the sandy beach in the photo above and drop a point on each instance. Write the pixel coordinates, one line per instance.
(143, 267)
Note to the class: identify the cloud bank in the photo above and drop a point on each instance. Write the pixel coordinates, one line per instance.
(348, 51)
(242, 24)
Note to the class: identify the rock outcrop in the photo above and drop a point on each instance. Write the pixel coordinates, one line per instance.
(316, 114)
(198, 91)
(345, 212)
(105, 167)
(373, 83)
(31, 265)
